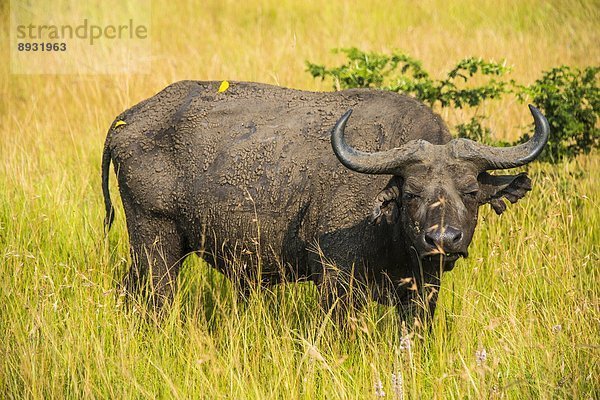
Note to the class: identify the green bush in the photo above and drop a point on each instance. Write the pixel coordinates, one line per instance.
(570, 100)
(474, 130)
(568, 97)
(400, 72)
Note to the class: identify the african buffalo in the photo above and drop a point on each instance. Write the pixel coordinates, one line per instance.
(247, 179)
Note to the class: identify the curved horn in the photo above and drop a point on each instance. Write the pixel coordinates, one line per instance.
(489, 157)
(381, 162)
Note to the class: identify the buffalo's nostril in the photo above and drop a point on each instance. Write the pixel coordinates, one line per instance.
(453, 235)
(446, 239)
(431, 239)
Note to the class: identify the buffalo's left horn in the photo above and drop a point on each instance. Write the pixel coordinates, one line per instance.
(490, 157)
(381, 162)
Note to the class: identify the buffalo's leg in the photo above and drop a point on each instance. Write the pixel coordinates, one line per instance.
(157, 251)
(339, 294)
(418, 309)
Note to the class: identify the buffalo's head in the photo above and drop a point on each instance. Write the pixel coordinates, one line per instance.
(437, 189)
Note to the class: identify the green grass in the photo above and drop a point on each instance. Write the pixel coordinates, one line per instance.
(528, 294)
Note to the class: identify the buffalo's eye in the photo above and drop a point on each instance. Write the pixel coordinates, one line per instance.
(411, 196)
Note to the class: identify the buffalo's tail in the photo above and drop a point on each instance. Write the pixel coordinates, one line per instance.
(106, 159)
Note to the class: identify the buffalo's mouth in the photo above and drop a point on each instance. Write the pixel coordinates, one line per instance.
(446, 259)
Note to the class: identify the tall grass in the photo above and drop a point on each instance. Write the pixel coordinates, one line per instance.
(528, 295)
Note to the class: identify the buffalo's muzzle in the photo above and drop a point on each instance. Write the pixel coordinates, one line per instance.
(447, 242)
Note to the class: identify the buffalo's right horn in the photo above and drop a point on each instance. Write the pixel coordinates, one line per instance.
(389, 162)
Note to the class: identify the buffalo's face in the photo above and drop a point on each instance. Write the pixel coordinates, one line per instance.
(437, 204)
(437, 189)
(438, 211)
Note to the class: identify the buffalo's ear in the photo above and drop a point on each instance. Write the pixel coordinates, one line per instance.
(385, 205)
(495, 188)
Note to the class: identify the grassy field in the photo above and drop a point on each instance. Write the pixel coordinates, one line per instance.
(528, 296)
